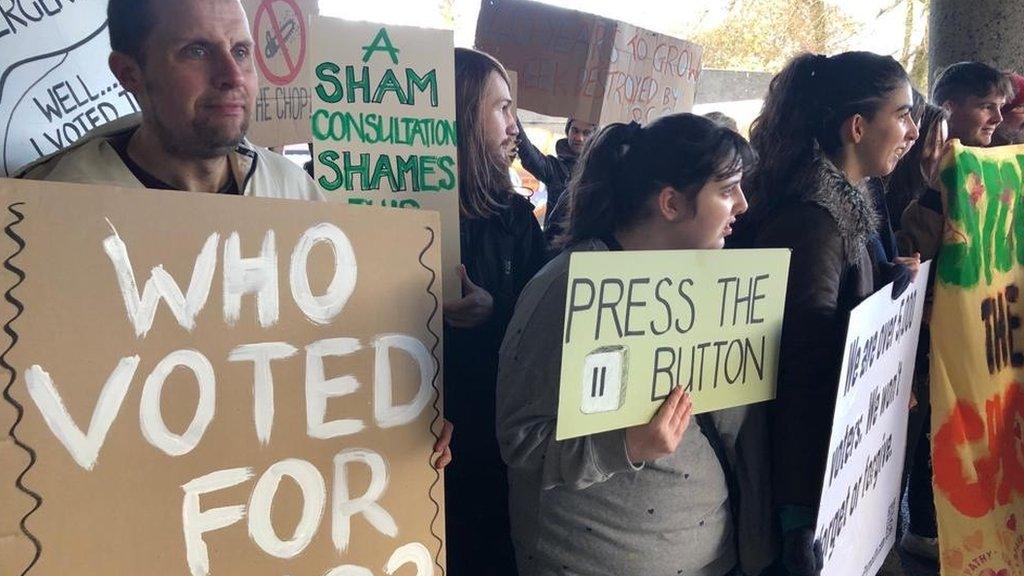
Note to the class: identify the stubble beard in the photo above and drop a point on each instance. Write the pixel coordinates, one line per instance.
(203, 141)
(498, 164)
(502, 157)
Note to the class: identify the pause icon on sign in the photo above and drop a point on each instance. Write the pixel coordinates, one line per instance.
(604, 380)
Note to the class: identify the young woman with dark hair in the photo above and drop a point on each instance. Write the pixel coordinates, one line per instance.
(906, 186)
(651, 499)
(502, 248)
(827, 126)
(907, 182)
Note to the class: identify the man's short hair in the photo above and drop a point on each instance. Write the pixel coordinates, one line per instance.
(130, 22)
(963, 79)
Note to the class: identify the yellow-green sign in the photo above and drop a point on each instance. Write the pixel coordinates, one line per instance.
(638, 324)
(977, 364)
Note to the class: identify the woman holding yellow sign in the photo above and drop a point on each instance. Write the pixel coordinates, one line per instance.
(650, 499)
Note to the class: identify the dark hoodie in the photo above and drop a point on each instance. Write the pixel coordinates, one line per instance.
(553, 171)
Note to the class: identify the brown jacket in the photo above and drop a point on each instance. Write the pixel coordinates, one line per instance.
(826, 224)
(920, 231)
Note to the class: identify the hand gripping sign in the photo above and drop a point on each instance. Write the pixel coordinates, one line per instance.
(638, 324)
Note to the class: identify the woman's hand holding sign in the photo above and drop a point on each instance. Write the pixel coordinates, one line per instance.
(660, 437)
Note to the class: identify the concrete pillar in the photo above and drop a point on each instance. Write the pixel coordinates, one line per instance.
(989, 31)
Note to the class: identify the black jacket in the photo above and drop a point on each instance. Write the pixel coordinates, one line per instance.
(828, 225)
(557, 219)
(553, 171)
(501, 254)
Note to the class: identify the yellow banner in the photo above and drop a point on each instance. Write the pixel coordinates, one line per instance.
(977, 365)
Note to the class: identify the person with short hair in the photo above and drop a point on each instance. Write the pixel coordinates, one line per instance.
(502, 248)
(973, 94)
(657, 498)
(972, 97)
(828, 125)
(555, 171)
(189, 64)
(1011, 131)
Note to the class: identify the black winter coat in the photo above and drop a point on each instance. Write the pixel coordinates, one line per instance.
(501, 254)
(827, 226)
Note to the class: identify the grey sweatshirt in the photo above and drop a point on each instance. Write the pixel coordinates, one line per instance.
(579, 507)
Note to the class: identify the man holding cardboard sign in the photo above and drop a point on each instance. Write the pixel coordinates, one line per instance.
(190, 66)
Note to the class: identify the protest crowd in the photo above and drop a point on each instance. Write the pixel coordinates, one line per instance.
(843, 170)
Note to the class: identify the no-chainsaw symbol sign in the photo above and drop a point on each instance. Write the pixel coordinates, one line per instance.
(279, 31)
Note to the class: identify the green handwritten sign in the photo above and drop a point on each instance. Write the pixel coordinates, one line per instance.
(638, 324)
(985, 214)
(383, 121)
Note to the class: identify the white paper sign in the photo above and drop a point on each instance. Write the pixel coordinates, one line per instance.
(54, 81)
(860, 497)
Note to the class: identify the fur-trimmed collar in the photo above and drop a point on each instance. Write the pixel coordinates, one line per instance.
(851, 206)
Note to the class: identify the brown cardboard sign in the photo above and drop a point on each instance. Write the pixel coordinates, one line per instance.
(571, 63)
(199, 384)
(513, 87)
(284, 102)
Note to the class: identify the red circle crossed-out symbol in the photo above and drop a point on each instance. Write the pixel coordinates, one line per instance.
(276, 37)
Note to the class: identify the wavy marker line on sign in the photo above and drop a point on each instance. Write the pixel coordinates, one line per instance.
(437, 394)
(9, 330)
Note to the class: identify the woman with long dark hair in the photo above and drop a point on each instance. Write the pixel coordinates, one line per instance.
(827, 126)
(907, 182)
(651, 499)
(908, 185)
(502, 248)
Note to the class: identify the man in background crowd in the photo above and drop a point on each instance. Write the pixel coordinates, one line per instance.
(1011, 131)
(502, 249)
(974, 95)
(555, 171)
